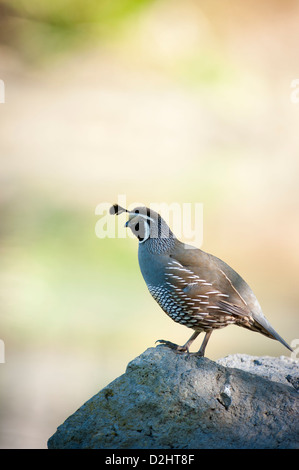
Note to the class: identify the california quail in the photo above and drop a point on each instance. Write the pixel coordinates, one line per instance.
(194, 288)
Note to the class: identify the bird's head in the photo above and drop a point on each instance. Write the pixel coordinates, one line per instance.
(145, 223)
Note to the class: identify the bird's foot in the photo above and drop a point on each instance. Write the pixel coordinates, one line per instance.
(174, 346)
(197, 354)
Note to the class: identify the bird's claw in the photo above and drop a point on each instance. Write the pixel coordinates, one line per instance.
(174, 346)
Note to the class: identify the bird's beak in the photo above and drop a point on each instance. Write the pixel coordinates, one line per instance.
(131, 216)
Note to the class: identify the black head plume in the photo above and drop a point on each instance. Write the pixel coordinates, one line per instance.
(116, 209)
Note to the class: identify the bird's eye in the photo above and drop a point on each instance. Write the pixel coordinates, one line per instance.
(141, 230)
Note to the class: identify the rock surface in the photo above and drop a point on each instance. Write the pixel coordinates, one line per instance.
(277, 369)
(168, 400)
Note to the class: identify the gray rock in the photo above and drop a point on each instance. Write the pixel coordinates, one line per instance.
(277, 369)
(169, 400)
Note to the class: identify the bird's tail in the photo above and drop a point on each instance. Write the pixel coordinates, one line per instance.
(267, 330)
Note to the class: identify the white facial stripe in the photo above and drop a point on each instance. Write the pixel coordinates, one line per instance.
(147, 232)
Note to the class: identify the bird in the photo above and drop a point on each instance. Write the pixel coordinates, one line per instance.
(193, 288)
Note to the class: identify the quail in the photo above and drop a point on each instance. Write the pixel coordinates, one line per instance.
(194, 288)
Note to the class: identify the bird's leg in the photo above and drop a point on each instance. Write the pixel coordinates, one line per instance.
(184, 348)
(187, 345)
(202, 348)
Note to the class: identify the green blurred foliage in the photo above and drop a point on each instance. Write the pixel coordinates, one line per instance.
(63, 274)
(40, 29)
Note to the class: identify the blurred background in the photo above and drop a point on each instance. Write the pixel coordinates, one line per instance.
(161, 101)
